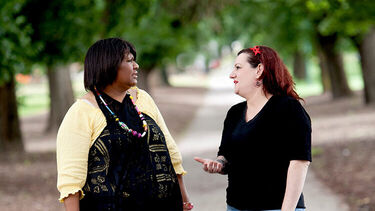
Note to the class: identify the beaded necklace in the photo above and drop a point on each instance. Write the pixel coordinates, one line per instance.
(122, 124)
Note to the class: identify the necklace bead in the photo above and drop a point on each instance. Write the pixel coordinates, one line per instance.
(122, 124)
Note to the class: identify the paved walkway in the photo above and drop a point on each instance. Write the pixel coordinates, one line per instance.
(202, 139)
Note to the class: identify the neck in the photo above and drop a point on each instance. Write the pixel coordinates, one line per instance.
(257, 99)
(116, 92)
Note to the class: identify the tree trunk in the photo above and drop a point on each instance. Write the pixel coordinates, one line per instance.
(339, 83)
(10, 132)
(143, 79)
(367, 53)
(164, 76)
(61, 95)
(299, 65)
(324, 72)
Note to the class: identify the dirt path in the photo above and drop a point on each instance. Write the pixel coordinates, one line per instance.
(342, 120)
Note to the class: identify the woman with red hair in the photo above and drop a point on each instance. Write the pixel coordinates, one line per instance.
(266, 141)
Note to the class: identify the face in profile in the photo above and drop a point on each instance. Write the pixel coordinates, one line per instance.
(127, 73)
(244, 75)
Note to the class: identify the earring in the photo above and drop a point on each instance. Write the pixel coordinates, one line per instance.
(258, 83)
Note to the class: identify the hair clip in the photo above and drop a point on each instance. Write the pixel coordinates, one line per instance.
(256, 50)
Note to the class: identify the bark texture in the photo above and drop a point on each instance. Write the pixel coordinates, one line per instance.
(299, 66)
(335, 66)
(10, 132)
(61, 95)
(367, 53)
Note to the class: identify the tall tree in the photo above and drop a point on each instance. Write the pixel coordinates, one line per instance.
(62, 30)
(299, 65)
(359, 26)
(366, 47)
(355, 20)
(15, 46)
(335, 65)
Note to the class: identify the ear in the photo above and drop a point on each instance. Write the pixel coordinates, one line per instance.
(259, 70)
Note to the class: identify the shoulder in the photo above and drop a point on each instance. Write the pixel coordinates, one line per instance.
(85, 107)
(145, 103)
(80, 116)
(143, 99)
(82, 109)
(141, 94)
(291, 108)
(286, 102)
(89, 99)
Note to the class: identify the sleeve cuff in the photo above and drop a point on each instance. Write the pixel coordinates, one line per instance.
(179, 169)
(72, 190)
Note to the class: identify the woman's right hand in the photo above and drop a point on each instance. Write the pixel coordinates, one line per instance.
(210, 166)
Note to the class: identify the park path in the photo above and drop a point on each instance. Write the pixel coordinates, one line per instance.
(202, 138)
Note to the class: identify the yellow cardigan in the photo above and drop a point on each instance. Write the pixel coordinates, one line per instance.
(82, 124)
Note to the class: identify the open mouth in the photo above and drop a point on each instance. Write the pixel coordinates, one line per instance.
(235, 81)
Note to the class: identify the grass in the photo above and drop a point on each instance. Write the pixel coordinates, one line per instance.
(34, 98)
(33, 104)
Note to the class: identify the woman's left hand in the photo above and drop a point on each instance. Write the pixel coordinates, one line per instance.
(188, 206)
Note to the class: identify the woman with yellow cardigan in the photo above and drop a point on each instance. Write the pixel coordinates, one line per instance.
(114, 151)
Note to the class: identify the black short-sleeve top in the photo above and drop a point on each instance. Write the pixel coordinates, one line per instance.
(259, 151)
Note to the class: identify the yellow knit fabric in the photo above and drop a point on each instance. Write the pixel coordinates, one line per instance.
(82, 124)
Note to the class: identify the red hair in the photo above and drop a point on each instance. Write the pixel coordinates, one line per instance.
(276, 77)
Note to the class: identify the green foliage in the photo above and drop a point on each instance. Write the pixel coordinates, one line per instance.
(280, 24)
(14, 40)
(160, 30)
(346, 17)
(61, 30)
(290, 25)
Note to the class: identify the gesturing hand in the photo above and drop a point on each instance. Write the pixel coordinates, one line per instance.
(210, 166)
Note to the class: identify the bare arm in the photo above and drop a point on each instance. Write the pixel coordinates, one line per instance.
(295, 180)
(71, 202)
(185, 196)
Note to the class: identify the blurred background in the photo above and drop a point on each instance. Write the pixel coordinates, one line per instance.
(328, 46)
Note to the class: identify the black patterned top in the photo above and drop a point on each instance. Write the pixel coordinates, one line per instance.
(126, 172)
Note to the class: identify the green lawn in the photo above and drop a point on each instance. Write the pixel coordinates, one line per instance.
(34, 98)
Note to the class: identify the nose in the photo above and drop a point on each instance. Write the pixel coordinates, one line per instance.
(232, 75)
(135, 65)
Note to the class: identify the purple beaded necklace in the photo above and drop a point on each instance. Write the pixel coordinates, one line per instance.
(122, 124)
